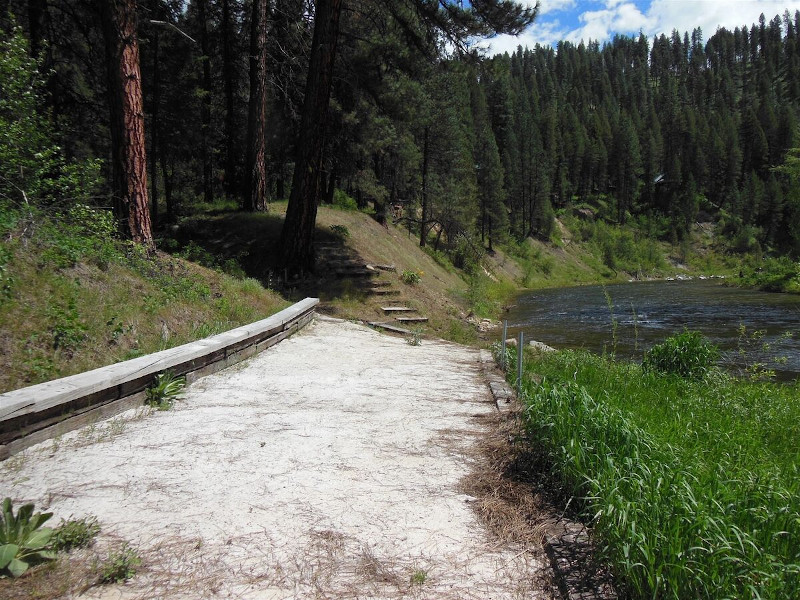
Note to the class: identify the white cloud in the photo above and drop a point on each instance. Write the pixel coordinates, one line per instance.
(545, 34)
(608, 17)
(548, 6)
(709, 15)
(618, 16)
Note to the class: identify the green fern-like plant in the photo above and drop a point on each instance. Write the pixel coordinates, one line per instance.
(23, 540)
(166, 388)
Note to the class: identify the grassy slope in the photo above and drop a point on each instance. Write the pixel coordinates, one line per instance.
(60, 321)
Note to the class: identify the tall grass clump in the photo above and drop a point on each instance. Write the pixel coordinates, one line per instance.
(691, 486)
(686, 354)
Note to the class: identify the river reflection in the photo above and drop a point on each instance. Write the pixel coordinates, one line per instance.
(648, 312)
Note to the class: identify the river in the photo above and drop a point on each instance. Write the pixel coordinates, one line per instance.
(648, 312)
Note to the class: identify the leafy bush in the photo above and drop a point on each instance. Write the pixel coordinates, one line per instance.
(411, 277)
(343, 201)
(33, 170)
(165, 390)
(120, 566)
(75, 533)
(774, 275)
(687, 354)
(23, 540)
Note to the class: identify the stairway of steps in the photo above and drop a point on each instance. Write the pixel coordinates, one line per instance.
(403, 316)
(377, 281)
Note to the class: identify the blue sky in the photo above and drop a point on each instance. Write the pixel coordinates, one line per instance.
(599, 20)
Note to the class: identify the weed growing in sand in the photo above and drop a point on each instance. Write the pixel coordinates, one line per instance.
(75, 533)
(23, 540)
(165, 390)
(416, 337)
(120, 566)
(419, 577)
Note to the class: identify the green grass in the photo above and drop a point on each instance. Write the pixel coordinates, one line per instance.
(73, 298)
(692, 487)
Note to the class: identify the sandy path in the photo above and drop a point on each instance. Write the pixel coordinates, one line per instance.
(326, 467)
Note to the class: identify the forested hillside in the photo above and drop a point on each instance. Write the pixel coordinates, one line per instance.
(660, 130)
(389, 103)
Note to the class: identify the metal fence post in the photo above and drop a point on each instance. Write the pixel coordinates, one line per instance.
(520, 354)
(503, 347)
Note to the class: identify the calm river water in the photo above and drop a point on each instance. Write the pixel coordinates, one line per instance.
(648, 312)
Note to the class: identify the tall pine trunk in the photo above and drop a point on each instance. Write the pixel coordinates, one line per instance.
(154, 134)
(228, 74)
(257, 118)
(205, 106)
(423, 227)
(297, 236)
(129, 161)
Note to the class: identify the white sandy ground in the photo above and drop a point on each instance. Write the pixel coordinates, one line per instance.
(326, 467)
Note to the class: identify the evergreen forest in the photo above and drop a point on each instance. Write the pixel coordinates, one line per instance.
(417, 125)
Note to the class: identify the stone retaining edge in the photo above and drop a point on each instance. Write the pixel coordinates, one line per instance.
(39, 412)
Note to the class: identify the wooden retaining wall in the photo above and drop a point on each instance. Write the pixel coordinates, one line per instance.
(33, 414)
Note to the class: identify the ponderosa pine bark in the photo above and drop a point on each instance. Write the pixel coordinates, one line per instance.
(257, 119)
(205, 105)
(230, 183)
(423, 226)
(129, 160)
(297, 236)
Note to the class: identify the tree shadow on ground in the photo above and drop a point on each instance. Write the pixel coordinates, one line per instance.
(245, 244)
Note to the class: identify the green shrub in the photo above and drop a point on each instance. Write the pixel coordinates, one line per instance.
(411, 277)
(773, 275)
(75, 533)
(343, 201)
(120, 566)
(687, 354)
(165, 390)
(23, 540)
(33, 170)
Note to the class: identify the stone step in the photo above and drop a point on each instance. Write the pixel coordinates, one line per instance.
(390, 309)
(412, 319)
(384, 292)
(379, 284)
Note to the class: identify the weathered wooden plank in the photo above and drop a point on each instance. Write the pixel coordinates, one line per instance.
(390, 327)
(88, 417)
(412, 319)
(397, 309)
